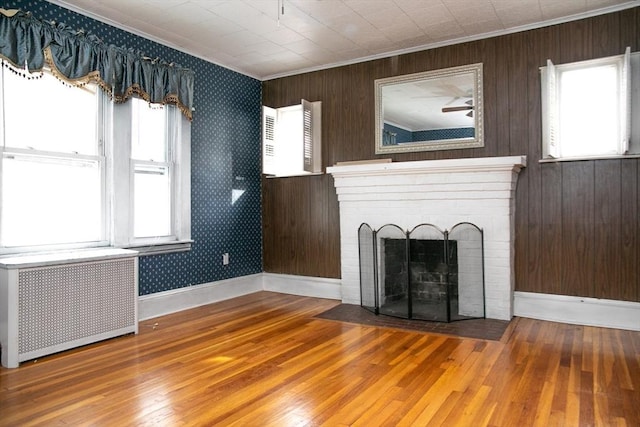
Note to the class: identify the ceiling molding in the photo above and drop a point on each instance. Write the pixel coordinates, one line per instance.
(575, 17)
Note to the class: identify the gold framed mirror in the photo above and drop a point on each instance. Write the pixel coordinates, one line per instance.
(432, 110)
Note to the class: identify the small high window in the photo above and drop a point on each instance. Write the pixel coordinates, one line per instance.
(587, 108)
(291, 139)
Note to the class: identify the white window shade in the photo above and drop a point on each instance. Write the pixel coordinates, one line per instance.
(625, 102)
(311, 133)
(550, 111)
(269, 158)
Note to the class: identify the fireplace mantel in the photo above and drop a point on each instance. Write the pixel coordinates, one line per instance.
(475, 164)
(438, 192)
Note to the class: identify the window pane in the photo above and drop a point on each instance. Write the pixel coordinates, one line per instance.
(588, 118)
(148, 132)
(152, 201)
(45, 114)
(50, 201)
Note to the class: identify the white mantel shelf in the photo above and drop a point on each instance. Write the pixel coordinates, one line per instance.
(439, 192)
(475, 164)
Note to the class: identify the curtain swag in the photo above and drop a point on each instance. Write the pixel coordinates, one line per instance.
(29, 44)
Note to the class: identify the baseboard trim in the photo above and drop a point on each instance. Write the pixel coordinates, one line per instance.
(555, 308)
(319, 287)
(578, 310)
(161, 303)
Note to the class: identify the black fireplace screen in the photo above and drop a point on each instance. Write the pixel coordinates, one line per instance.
(425, 273)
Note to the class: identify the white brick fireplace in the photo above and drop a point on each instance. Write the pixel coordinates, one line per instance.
(438, 192)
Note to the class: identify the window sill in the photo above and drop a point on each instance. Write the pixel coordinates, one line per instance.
(290, 175)
(145, 249)
(602, 157)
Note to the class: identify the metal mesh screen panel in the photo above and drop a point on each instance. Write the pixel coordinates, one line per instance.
(367, 268)
(70, 302)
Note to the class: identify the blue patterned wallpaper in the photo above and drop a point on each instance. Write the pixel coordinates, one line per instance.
(437, 134)
(225, 156)
(401, 135)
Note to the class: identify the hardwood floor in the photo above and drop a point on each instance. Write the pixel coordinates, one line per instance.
(264, 360)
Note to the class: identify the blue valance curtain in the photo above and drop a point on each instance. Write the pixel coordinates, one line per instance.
(77, 58)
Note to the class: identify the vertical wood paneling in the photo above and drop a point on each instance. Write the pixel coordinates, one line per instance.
(331, 114)
(607, 233)
(552, 223)
(578, 228)
(531, 265)
(518, 143)
(550, 202)
(605, 32)
(575, 41)
(503, 116)
(570, 216)
(487, 50)
(630, 230)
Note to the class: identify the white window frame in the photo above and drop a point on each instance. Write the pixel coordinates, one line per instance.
(122, 173)
(114, 139)
(292, 140)
(629, 99)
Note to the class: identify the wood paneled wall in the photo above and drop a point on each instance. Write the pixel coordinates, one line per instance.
(577, 223)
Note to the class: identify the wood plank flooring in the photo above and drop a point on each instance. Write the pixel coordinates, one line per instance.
(263, 360)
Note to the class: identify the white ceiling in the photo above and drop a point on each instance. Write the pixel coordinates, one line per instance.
(272, 38)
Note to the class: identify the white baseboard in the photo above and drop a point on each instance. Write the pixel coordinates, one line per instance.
(578, 310)
(320, 287)
(555, 308)
(161, 303)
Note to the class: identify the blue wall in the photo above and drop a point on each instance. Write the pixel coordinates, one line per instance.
(403, 135)
(225, 144)
(438, 134)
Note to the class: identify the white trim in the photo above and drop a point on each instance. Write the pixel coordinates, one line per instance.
(161, 303)
(553, 308)
(319, 287)
(469, 164)
(578, 310)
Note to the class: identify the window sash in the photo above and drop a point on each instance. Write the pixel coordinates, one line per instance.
(153, 217)
(41, 221)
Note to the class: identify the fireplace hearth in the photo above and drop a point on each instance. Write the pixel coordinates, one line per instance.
(425, 273)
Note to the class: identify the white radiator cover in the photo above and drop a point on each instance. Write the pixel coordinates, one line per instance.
(53, 303)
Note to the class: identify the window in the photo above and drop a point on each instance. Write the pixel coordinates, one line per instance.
(587, 109)
(80, 171)
(291, 139)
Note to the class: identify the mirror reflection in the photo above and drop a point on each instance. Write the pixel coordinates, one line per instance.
(434, 110)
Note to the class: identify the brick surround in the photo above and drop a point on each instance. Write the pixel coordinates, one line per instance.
(438, 192)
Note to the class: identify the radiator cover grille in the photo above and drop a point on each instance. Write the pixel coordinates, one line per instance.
(68, 305)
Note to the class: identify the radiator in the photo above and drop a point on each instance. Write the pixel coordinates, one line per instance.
(62, 305)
